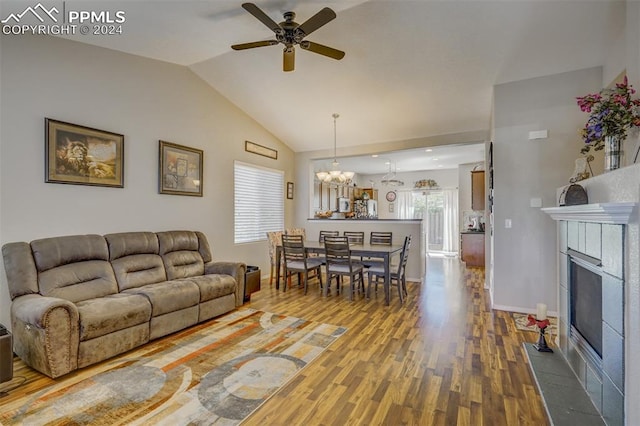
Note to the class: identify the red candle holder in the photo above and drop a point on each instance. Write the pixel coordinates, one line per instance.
(541, 345)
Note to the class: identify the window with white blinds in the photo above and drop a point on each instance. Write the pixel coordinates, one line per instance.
(258, 201)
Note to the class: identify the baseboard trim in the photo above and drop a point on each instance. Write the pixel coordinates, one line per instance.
(521, 310)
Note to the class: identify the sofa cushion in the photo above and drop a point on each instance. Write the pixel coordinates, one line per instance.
(105, 315)
(169, 296)
(51, 252)
(137, 270)
(79, 281)
(179, 251)
(129, 243)
(214, 286)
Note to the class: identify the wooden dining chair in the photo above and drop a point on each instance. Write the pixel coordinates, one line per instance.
(354, 237)
(380, 238)
(340, 264)
(274, 239)
(375, 273)
(297, 261)
(377, 238)
(327, 233)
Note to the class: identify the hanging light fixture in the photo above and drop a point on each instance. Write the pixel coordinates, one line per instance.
(335, 175)
(390, 178)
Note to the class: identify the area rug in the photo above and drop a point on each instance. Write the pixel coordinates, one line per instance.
(217, 373)
(521, 321)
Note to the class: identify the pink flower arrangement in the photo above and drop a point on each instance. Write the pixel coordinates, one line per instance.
(612, 112)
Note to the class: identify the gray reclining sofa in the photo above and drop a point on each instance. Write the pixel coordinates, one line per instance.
(77, 300)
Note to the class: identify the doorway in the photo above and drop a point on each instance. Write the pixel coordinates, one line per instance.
(438, 209)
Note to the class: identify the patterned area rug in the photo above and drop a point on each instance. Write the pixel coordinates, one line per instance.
(214, 373)
(521, 324)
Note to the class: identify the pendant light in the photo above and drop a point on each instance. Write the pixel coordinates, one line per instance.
(335, 175)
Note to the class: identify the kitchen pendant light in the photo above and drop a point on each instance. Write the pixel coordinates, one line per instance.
(390, 178)
(335, 175)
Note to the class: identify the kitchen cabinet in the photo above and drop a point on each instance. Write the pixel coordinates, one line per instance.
(472, 248)
(477, 190)
(359, 192)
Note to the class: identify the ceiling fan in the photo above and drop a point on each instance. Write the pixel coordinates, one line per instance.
(290, 33)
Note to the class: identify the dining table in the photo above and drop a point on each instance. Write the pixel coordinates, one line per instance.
(383, 253)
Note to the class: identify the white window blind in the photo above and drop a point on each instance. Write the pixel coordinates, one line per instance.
(258, 201)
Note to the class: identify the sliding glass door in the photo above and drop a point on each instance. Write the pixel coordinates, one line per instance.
(439, 211)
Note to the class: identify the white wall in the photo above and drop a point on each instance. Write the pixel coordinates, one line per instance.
(143, 99)
(524, 259)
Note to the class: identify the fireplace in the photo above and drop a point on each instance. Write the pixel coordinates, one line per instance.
(607, 229)
(585, 307)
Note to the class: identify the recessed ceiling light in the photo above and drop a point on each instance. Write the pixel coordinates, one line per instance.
(387, 163)
(435, 159)
(428, 150)
(374, 155)
(439, 165)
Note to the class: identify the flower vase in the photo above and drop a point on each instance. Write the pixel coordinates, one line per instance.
(612, 153)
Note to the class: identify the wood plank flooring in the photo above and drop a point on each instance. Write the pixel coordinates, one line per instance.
(442, 358)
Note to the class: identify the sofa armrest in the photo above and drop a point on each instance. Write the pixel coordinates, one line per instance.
(45, 332)
(235, 269)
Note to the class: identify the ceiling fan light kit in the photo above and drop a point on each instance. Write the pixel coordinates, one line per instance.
(290, 33)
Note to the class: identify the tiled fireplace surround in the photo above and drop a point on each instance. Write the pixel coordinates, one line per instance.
(605, 242)
(607, 229)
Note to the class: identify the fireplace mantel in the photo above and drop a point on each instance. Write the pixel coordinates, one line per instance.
(611, 213)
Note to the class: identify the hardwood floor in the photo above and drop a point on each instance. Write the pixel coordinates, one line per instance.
(442, 358)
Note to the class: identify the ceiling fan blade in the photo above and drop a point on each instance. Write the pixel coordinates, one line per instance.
(322, 49)
(262, 17)
(288, 59)
(251, 45)
(316, 21)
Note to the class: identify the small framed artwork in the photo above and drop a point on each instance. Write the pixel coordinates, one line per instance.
(260, 150)
(290, 190)
(180, 170)
(81, 155)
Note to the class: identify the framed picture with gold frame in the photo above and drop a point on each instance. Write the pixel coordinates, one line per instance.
(81, 155)
(180, 170)
(255, 148)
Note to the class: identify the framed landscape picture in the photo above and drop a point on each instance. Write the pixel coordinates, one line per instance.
(180, 170)
(82, 155)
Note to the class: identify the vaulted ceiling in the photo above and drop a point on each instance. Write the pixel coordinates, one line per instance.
(412, 68)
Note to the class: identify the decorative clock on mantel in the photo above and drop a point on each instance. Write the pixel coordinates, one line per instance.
(391, 196)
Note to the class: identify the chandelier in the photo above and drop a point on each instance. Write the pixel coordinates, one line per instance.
(335, 175)
(391, 178)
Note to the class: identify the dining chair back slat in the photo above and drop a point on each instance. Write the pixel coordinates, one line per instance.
(380, 238)
(354, 237)
(327, 233)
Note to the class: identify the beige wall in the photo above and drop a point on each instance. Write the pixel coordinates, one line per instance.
(143, 99)
(524, 260)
